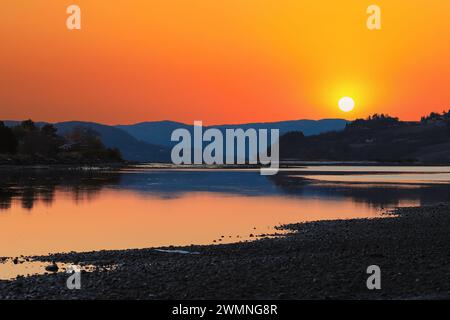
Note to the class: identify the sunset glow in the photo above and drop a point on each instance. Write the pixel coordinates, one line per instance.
(222, 62)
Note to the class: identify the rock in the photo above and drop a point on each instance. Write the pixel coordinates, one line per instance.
(52, 268)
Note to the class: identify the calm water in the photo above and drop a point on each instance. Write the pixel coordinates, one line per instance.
(54, 211)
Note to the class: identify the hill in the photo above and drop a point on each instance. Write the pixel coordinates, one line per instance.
(150, 141)
(159, 132)
(378, 138)
(130, 147)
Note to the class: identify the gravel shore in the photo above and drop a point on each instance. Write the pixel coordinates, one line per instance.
(318, 260)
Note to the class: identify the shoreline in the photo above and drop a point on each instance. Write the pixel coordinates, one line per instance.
(169, 165)
(66, 165)
(316, 260)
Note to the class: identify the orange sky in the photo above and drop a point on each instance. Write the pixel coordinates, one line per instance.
(227, 61)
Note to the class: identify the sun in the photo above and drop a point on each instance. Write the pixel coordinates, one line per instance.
(346, 104)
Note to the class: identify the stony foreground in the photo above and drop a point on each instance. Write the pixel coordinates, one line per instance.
(319, 260)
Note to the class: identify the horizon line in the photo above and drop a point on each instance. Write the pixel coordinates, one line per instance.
(174, 121)
(189, 124)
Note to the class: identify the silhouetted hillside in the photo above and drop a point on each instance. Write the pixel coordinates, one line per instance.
(378, 138)
(130, 147)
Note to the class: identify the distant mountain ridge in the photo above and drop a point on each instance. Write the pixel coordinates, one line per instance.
(159, 132)
(150, 141)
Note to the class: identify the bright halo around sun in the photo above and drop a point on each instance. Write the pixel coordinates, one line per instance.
(346, 104)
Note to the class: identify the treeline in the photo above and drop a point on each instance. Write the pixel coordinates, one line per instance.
(376, 121)
(29, 143)
(437, 117)
(379, 138)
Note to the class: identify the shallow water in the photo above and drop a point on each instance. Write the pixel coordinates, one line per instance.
(24, 268)
(58, 211)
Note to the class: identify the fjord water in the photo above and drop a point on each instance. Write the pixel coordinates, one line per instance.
(47, 211)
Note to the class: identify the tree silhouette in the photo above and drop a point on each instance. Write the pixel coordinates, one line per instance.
(32, 143)
(8, 141)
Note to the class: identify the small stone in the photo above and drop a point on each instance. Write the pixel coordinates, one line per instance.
(52, 268)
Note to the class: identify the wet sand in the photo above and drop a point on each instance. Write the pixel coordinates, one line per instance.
(317, 260)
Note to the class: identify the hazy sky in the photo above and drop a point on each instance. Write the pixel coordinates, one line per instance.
(222, 61)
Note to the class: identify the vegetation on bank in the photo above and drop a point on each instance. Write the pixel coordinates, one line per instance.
(377, 138)
(28, 143)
